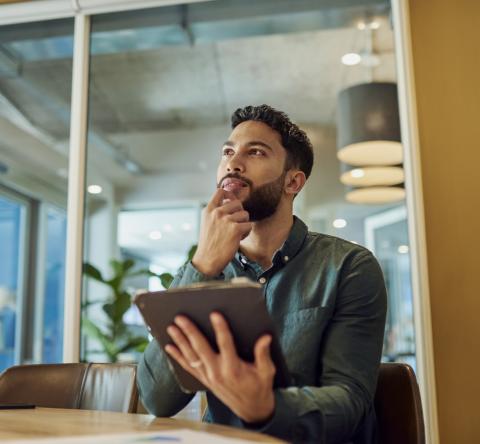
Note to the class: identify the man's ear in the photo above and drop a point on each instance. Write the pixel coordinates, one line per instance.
(294, 181)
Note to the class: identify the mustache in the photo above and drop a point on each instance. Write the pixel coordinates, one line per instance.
(235, 176)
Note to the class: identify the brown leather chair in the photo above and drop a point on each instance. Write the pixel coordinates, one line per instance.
(110, 387)
(72, 386)
(398, 406)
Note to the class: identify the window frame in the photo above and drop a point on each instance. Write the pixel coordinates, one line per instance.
(82, 10)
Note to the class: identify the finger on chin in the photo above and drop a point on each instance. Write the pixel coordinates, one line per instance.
(217, 198)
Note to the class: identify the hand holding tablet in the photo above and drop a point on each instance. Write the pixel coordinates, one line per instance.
(241, 304)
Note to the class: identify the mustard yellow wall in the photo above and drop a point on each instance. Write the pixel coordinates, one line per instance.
(446, 52)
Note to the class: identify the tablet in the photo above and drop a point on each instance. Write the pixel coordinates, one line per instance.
(15, 406)
(242, 304)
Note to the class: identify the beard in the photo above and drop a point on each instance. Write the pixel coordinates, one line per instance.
(263, 201)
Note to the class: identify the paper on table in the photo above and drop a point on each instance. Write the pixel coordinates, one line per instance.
(183, 436)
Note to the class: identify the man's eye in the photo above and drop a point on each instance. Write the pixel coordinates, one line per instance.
(227, 152)
(257, 152)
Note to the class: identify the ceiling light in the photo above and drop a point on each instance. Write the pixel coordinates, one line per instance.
(375, 195)
(94, 189)
(186, 227)
(155, 235)
(374, 24)
(351, 58)
(339, 223)
(403, 249)
(373, 176)
(167, 228)
(361, 26)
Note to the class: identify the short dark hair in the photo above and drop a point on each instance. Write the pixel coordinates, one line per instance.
(294, 140)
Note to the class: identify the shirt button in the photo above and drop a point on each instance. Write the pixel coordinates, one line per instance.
(262, 280)
(243, 260)
(286, 258)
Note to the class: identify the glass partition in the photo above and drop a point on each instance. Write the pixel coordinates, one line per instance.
(163, 84)
(13, 226)
(35, 90)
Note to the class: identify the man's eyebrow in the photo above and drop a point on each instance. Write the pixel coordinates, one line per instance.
(252, 143)
(260, 143)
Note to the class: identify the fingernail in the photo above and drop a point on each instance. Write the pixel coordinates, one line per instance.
(215, 317)
(180, 321)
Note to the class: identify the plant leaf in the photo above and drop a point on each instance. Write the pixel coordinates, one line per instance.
(117, 308)
(134, 343)
(166, 279)
(127, 264)
(109, 346)
(117, 266)
(141, 347)
(115, 283)
(140, 272)
(93, 272)
(191, 252)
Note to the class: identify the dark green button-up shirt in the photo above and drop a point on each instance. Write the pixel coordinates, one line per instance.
(327, 298)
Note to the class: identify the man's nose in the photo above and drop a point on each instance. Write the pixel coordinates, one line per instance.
(235, 164)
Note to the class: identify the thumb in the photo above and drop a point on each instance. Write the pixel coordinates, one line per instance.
(263, 360)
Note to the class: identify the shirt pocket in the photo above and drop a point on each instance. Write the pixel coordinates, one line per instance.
(300, 336)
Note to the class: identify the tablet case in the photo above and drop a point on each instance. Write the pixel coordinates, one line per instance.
(243, 306)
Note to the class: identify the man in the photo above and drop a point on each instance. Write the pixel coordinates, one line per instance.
(326, 296)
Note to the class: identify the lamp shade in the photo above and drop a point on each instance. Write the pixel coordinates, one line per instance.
(371, 176)
(376, 195)
(369, 125)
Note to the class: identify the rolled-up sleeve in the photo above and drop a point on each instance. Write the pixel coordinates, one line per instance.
(333, 411)
(158, 388)
(159, 391)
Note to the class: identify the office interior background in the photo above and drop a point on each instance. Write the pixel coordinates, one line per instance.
(162, 84)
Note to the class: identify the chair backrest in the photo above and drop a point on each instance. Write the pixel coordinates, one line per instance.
(45, 385)
(398, 406)
(72, 386)
(110, 387)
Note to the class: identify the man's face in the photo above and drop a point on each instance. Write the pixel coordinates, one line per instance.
(253, 168)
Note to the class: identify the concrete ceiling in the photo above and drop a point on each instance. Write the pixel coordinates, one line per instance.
(167, 108)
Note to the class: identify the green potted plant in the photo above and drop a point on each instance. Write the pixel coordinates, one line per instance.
(114, 335)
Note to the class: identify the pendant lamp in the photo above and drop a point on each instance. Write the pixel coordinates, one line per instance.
(369, 144)
(369, 125)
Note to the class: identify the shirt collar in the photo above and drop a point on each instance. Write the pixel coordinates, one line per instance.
(291, 246)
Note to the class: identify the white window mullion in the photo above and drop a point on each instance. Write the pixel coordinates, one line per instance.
(76, 189)
(41, 259)
(416, 219)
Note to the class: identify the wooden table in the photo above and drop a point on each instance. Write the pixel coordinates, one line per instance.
(45, 423)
